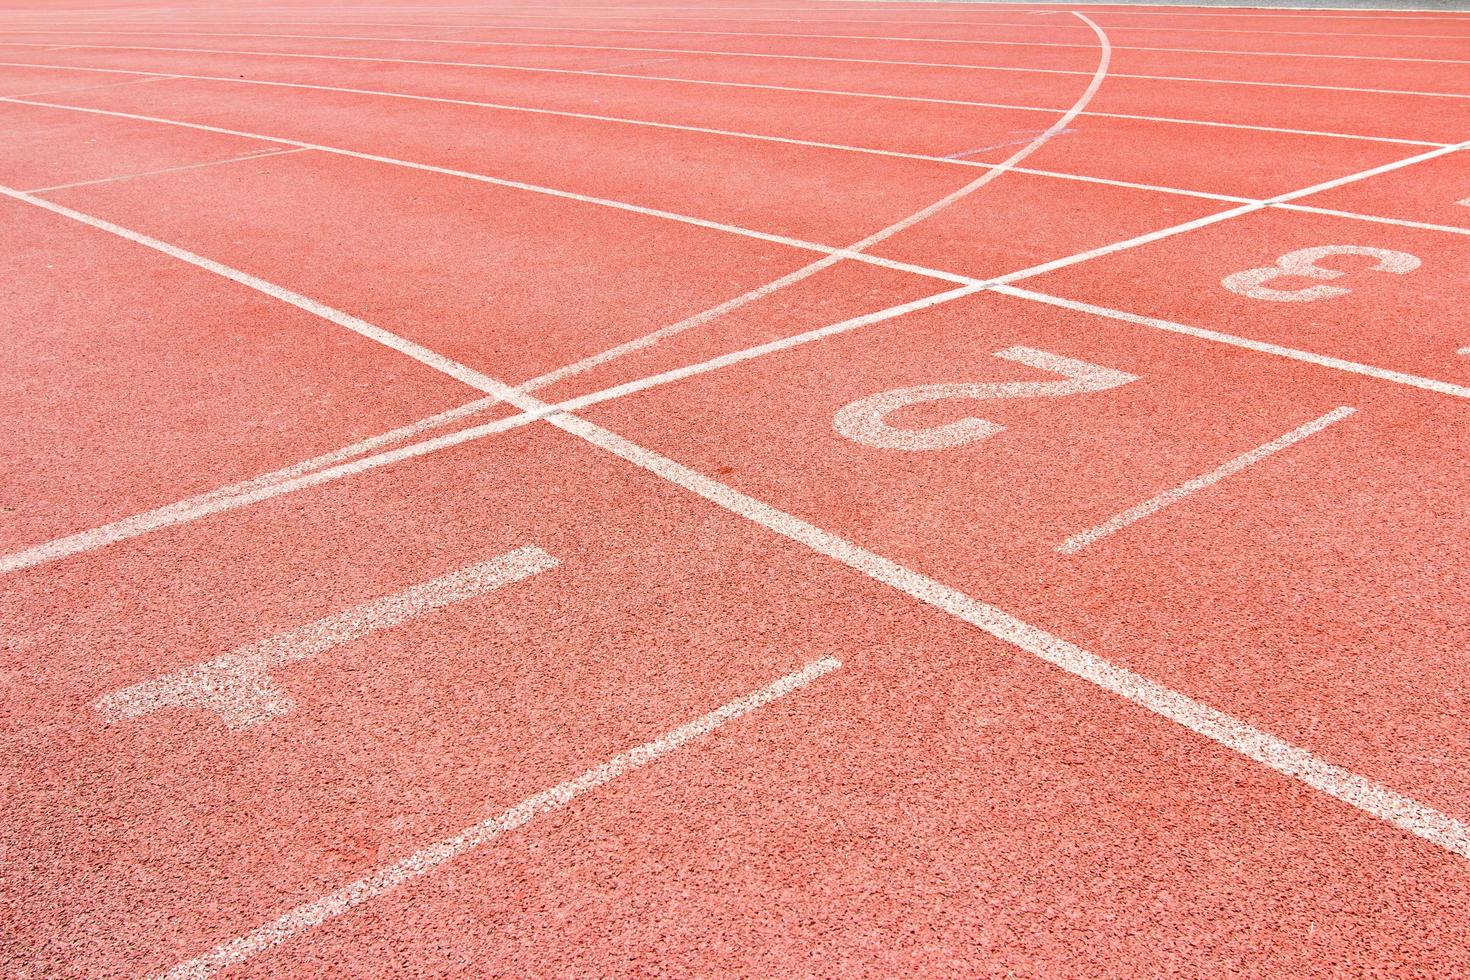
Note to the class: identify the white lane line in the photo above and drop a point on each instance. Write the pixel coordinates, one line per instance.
(661, 18)
(677, 80)
(1211, 219)
(829, 251)
(1289, 760)
(1267, 11)
(195, 508)
(334, 465)
(1374, 218)
(1156, 11)
(235, 494)
(791, 278)
(798, 243)
(735, 134)
(233, 497)
(217, 501)
(88, 88)
(1138, 512)
(418, 352)
(238, 688)
(761, 350)
(951, 159)
(869, 37)
(824, 58)
(1259, 346)
(384, 880)
(786, 343)
(335, 456)
(340, 463)
(167, 170)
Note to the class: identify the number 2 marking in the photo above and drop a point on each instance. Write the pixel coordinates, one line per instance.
(865, 420)
(1303, 262)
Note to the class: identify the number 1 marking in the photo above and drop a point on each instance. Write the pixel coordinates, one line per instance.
(238, 687)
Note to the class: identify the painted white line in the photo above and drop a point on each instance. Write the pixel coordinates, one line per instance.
(238, 688)
(1138, 512)
(761, 350)
(761, 292)
(822, 58)
(236, 494)
(217, 501)
(1211, 219)
(1266, 11)
(1283, 757)
(418, 352)
(314, 913)
(857, 255)
(1157, 11)
(207, 504)
(1374, 218)
(736, 134)
(341, 463)
(1260, 346)
(893, 264)
(675, 80)
(667, 18)
(88, 88)
(167, 170)
(869, 37)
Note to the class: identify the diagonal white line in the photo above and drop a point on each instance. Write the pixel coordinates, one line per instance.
(424, 860)
(824, 58)
(679, 80)
(293, 479)
(584, 14)
(418, 352)
(791, 278)
(518, 185)
(862, 37)
(1290, 760)
(259, 155)
(1259, 346)
(1173, 495)
(152, 77)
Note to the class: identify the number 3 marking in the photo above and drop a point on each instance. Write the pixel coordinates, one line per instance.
(1303, 262)
(864, 421)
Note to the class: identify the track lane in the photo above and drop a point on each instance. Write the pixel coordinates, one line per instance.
(95, 437)
(1103, 148)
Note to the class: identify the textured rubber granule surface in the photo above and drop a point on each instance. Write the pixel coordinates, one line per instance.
(811, 489)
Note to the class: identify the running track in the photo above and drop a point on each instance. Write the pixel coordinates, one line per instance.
(813, 488)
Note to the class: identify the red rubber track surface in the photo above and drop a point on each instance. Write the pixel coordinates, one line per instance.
(1062, 576)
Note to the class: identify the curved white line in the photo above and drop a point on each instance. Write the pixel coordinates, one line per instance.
(1105, 54)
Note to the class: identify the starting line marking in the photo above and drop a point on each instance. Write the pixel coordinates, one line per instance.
(314, 913)
(1138, 512)
(237, 687)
